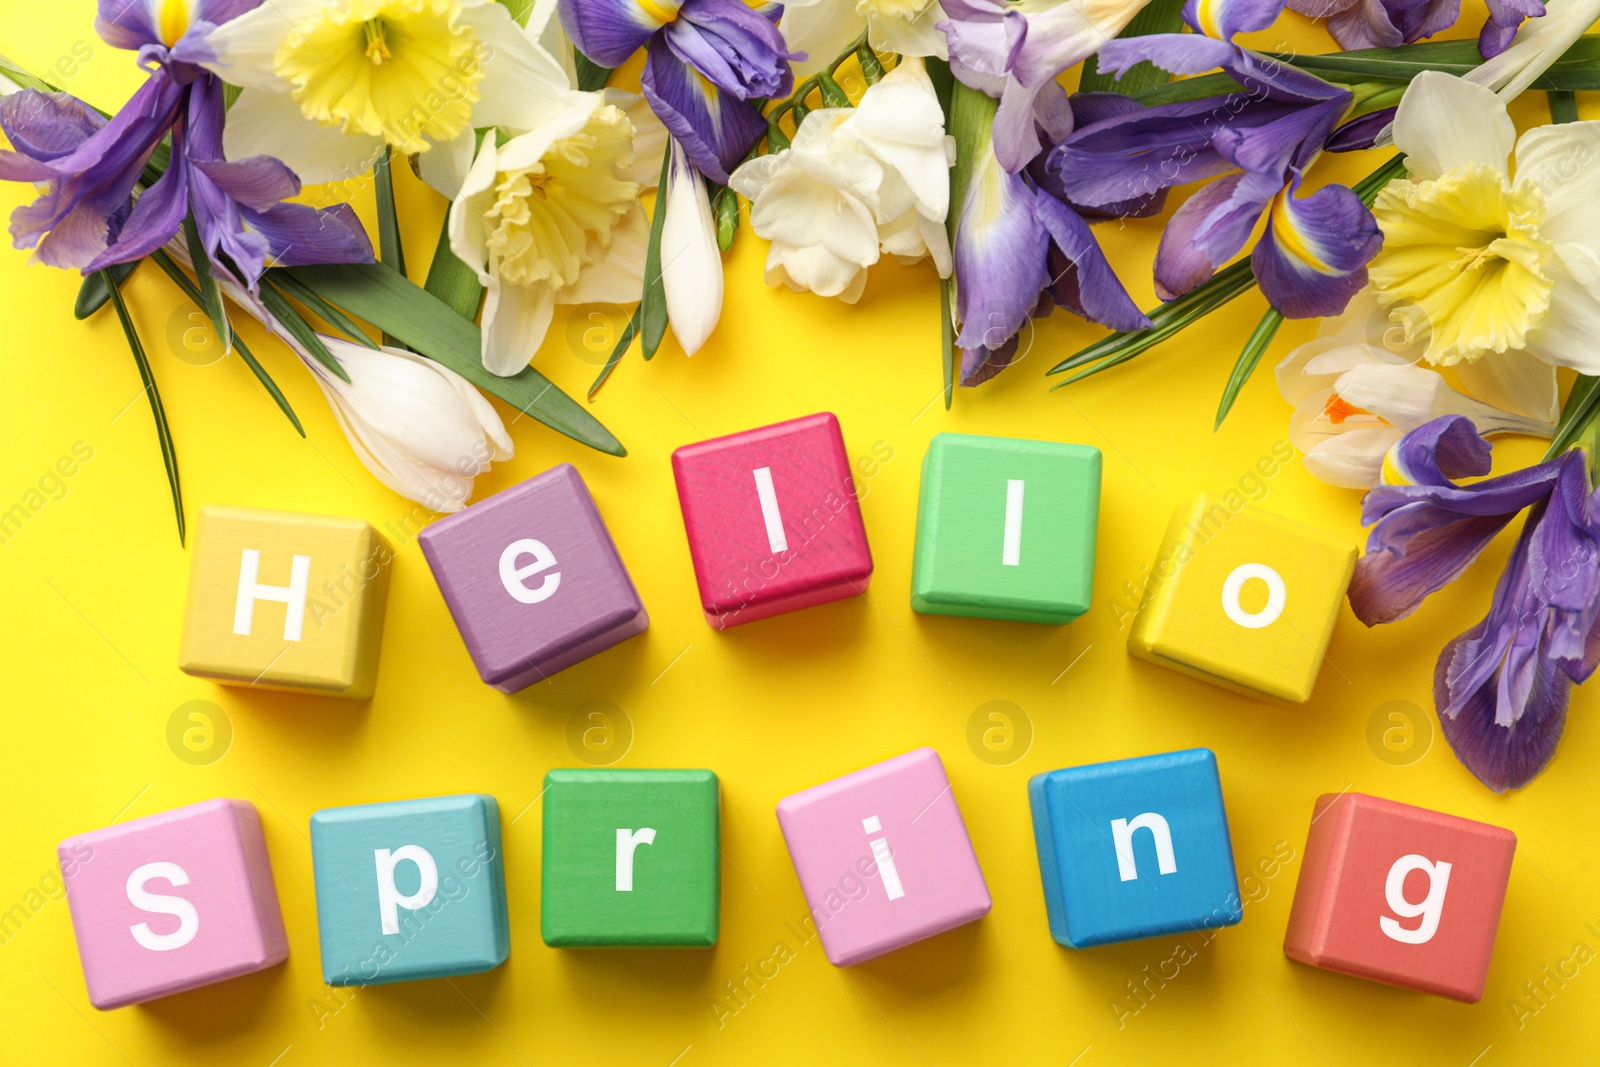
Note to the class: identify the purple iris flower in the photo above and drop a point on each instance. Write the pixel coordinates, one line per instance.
(87, 218)
(705, 62)
(1380, 23)
(1020, 251)
(1256, 144)
(1502, 686)
(1505, 19)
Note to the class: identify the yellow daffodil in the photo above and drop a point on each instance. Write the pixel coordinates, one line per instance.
(1477, 261)
(328, 83)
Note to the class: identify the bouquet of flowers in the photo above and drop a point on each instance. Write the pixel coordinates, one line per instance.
(1452, 286)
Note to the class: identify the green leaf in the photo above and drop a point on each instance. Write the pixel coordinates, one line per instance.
(291, 319)
(391, 302)
(169, 454)
(10, 69)
(165, 262)
(725, 208)
(653, 304)
(591, 75)
(1583, 403)
(943, 83)
(947, 337)
(1245, 366)
(520, 10)
(451, 280)
(390, 249)
(617, 353)
(970, 121)
(93, 294)
(1563, 106)
(210, 292)
(292, 286)
(230, 94)
(1158, 16)
(872, 66)
(1578, 68)
(1196, 88)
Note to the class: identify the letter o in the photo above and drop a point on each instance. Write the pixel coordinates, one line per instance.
(1277, 595)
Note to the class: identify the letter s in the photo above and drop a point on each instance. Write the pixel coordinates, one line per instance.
(161, 904)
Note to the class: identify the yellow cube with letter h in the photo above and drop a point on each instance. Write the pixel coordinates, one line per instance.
(1243, 599)
(286, 601)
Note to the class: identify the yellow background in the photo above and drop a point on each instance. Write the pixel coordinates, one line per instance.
(94, 590)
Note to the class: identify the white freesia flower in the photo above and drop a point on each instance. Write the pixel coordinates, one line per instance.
(822, 28)
(691, 261)
(1357, 389)
(328, 83)
(552, 216)
(856, 183)
(417, 426)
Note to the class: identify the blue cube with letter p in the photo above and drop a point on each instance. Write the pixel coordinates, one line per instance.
(410, 889)
(1134, 848)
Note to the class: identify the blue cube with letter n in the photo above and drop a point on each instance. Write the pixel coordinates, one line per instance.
(1134, 848)
(410, 889)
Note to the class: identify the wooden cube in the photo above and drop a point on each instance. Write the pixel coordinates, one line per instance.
(286, 601)
(1006, 529)
(1243, 599)
(772, 520)
(533, 579)
(410, 889)
(631, 858)
(1134, 848)
(883, 857)
(172, 902)
(1400, 894)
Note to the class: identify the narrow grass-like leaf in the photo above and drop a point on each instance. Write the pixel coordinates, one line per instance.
(653, 304)
(944, 83)
(169, 454)
(451, 280)
(165, 262)
(390, 249)
(520, 10)
(1563, 105)
(1582, 406)
(592, 77)
(1245, 366)
(210, 292)
(10, 69)
(1158, 16)
(617, 353)
(291, 319)
(292, 286)
(93, 294)
(374, 293)
(1577, 69)
(947, 339)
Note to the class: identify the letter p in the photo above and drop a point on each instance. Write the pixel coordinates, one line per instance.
(390, 899)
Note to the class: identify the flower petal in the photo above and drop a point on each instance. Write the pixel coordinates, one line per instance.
(1000, 255)
(1559, 157)
(713, 129)
(820, 29)
(522, 84)
(445, 165)
(919, 36)
(246, 46)
(1313, 256)
(1351, 460)
(298, 235)
(1413, 553)
(1445, 122)
(1223, 19)
(736, 48)
(615, 273)
(1206, 231)
(266, 123)
(691, 261)
(1567, 336)
(609, 31)
(516, 319)
(1516, 383)
(1089, 287)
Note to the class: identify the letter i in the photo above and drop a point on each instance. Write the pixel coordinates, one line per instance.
(884, 858)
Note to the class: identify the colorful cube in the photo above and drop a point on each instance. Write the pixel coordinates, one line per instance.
(1134, 848)
(1243, 599)
(533, 579)
(410, 889)
(1400, 894)
(631, 859)
(1006, 529)
(286, 601)
(172, 902)
(883, 857)
(773, 520)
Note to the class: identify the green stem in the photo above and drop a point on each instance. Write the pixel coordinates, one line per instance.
(390, 249)
(158, 411)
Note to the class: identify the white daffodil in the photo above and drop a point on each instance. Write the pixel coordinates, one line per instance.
(328, 83)
(822, 28)
(1478, 262)
(691, 261)
(1357, 389)
(420, 428)
(552, 216)
(417, 426)
(856, 183)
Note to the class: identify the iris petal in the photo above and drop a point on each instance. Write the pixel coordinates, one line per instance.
(609, 31)
(1313, 256)
(714, 129)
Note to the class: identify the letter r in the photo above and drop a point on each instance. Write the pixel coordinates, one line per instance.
(627, 842)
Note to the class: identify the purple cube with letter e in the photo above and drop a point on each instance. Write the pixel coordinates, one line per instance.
(533, 579)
